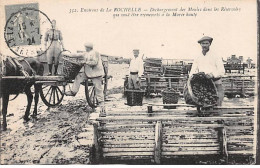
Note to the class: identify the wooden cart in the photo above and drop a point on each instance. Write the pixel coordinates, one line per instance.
(53, 87)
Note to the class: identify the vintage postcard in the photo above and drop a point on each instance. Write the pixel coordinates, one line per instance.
(129, 82)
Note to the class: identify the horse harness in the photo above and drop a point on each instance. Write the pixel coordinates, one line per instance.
(16, 69)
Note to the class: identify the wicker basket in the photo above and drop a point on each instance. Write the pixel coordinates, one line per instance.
(134, 97)
(189, 95)
(170, 96)
(71, 68)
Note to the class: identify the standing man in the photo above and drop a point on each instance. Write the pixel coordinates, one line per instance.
(211, 64)
(54, 37)
(136, 70)
(249, 62)
(93, 69)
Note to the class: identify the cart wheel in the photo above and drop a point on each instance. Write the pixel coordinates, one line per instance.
(52, 95)
(90, 93)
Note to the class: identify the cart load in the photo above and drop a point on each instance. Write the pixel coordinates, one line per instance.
(153, 66)
(200, 91)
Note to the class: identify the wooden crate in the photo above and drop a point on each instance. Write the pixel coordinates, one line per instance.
(240, 86)
(166, 134)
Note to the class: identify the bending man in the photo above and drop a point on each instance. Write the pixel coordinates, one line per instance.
(93, 69)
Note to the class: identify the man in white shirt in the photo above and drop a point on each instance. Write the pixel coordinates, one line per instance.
(94, 70)
(136, 70)
(211, 64)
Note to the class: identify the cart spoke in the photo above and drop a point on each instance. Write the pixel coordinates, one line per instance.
(54, 89)
(47, 93)
(59, 90)
(58, 98)
(44, 87)
(94, 97)
(91, 93)
(50, 95)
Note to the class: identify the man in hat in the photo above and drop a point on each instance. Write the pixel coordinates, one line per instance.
(93, 69)
(211, 64)
(136, 70)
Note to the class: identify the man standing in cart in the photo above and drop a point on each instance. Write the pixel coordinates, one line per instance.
(54, 37)
(211, 64)
(94, 70)
(136, 70)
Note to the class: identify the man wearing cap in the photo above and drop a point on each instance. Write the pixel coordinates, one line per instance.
(136, 69)
(211, 64)
(93, 69)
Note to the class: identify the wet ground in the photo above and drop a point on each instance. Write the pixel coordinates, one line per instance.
(62, 135)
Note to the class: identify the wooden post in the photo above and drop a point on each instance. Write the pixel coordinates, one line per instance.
(243, 87)
(158, 142)
(150, 109)
(96, 143)
(232, 85)
(222, 138)
(148, 84)
(170, 83)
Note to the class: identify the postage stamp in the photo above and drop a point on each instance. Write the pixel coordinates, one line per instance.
(24, 29)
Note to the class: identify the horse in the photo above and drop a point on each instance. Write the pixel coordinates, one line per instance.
(31, 66)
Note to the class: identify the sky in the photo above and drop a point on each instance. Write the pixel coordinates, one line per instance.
(161, 37)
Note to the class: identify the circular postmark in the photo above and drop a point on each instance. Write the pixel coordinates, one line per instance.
(24, 32)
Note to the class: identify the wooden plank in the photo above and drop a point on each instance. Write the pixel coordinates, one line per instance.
(127, 125)
(239, 148)
(118, 141)
(245, 152)
(140, 129)
(128, 145)
(191, 125)
(187, 133)
(190, 136)
(241, 128)
(37, 78)
(190, 153)
(188, 141)
(129, 154)
(234, 107)
(112, 150)
(190, 148)
(163, 118)
(130, 138)
(240, 141)
(158, 142)
(191, 145)
(128, 134)
(177, 105)
(129, 157)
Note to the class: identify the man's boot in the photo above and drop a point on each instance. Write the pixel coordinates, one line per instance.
(50, 69)
(55, 69)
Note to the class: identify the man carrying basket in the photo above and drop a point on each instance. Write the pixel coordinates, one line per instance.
(93, 69)
(212, 65)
